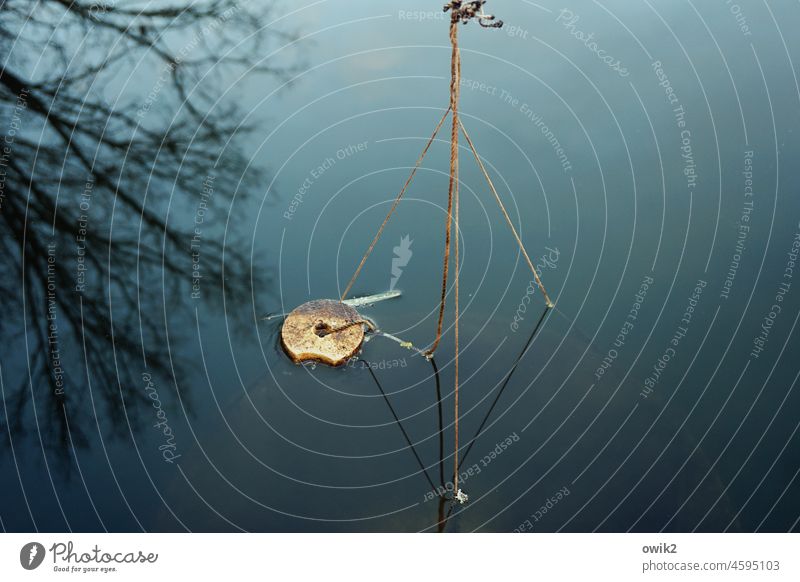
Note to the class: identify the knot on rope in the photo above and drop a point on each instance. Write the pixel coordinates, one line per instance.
(466, 11)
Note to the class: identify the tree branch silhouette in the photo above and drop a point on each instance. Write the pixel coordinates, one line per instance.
(134, 156)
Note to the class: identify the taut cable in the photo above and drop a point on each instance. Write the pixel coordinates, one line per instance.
(455, 84)
(394, 206)
(508, 218)
(461, 12)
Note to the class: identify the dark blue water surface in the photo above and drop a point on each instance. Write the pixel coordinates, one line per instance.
(647, 153)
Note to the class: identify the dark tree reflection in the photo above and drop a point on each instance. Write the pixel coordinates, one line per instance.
(109, 118)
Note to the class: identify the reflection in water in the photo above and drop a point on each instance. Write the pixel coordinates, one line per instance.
(92, 168)
(400, 424)
(114, 150)
(442, 517)
(507, 379)
(444, 491)
(441, 522)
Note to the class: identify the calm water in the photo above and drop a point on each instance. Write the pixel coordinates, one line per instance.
(648, 156)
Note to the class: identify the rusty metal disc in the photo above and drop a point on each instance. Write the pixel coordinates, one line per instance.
(307, 332)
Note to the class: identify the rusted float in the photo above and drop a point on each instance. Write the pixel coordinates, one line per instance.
(323, 330)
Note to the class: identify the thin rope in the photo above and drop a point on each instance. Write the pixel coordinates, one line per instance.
(323, 327)
(452, 197)
(394, 205)
(455, 84)
(402, 342)
(502, 389)
(456, 322)
(508, 218)
(460, 12)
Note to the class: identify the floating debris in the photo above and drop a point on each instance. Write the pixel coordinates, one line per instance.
(461, 497)
(403, 344)
(367, 301)
(371, 299)
(271, 316)
(325, 331)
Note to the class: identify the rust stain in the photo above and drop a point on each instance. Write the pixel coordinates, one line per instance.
(306, 336)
